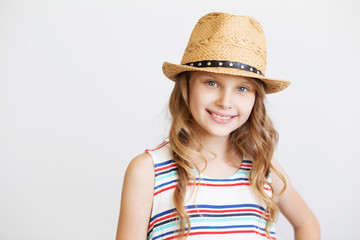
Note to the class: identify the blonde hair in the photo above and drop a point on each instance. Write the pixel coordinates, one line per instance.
(256, 139)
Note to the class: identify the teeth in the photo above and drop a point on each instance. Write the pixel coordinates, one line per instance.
(220, 117)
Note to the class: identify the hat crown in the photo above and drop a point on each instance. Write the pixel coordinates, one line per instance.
(221, 36)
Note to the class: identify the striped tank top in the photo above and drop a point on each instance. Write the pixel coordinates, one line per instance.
(221, 209)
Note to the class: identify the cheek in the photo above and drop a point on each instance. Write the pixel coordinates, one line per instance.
(251, 104)
(196, 106)
(196, 102)
(247, 105)
(193, 103)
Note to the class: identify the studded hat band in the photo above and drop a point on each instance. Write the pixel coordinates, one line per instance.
(226, 64)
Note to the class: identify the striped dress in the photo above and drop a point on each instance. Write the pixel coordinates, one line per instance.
(225, 209)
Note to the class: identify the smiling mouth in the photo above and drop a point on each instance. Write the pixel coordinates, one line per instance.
(222, 117)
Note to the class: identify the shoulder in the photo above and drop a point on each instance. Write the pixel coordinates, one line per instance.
(283, 189)
(292, 205)
(140, 168)
(279, 178)
(161, 153)
(285, 194)
(136, 198)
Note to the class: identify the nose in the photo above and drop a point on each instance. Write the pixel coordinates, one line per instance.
(224, 100)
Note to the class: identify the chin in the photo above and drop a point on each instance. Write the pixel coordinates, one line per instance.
(221, 133)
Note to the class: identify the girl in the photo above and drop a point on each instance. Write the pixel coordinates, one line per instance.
(215, 178)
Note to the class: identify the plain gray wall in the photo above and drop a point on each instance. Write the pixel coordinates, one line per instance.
(82, 93)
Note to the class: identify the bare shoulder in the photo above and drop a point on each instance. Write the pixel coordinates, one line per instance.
(293, 206)
(276, 179)
(141, 167)
(136, 198)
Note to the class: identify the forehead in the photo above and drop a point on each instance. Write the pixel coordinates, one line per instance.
(220, 77)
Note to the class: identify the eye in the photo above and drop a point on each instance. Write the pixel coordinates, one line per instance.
(212, 83)
(242, 89)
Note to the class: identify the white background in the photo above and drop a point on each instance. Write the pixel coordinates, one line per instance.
(82, 93)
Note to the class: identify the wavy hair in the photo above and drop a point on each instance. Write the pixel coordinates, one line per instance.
(255, 139)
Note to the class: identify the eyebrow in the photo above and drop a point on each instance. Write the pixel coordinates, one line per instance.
(245, 80)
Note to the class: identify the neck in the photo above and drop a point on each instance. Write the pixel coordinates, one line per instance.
(218, 145)
(217, 148)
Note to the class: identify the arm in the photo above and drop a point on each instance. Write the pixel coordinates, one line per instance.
(136, 199)
(294, 208)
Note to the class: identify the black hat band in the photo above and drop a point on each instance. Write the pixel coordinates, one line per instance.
(225, 64)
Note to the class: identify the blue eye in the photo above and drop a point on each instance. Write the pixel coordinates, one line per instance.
(212, 83)
(242, 89)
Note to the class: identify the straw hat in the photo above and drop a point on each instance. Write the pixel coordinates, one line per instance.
(228, 44)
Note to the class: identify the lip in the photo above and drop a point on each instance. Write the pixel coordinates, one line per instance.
(222, 115)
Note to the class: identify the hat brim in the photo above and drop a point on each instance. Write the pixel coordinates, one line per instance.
(271, 85)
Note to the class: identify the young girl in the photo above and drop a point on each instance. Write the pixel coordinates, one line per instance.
(215, 178)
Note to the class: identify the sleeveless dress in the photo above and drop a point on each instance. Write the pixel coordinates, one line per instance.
(220, 209)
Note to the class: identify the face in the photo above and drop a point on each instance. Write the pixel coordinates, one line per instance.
(220, 103)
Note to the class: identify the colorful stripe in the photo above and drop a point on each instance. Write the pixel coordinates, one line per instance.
(168, 170)
(244, 218)
(211, 217)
